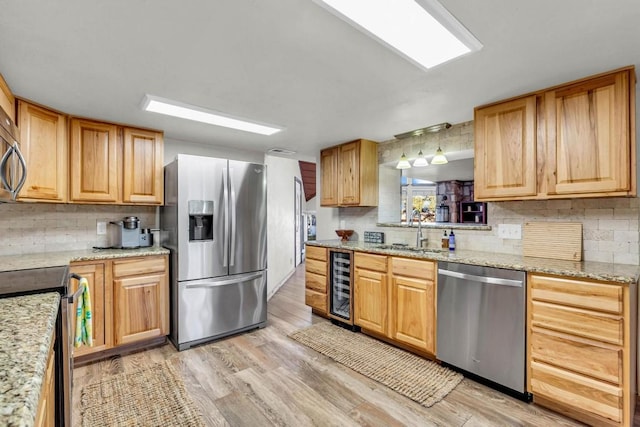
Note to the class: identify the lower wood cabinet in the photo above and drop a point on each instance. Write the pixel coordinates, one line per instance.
(46, 412)
(315, 293)
(141, 299)
(130, 300)
(395, 297)
(580, 357)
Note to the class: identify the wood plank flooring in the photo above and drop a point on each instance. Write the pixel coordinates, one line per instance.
(263, 378)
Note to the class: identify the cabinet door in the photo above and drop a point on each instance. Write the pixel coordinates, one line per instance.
(43, 141)
(142, 167)
(505, 150)
(93, 162)
(7, 100)
(329, 176)
(141, 307)
(349, 174)
(370, 296)
(588, 136)
(413, 312)
(100, 306)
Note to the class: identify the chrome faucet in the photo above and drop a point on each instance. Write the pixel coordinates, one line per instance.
(419, 238)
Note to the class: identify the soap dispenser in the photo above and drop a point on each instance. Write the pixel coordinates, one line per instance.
(445, 240)
(452, 241)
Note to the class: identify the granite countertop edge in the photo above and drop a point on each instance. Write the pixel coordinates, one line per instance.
(618, 273)
(62, 258)
(24, 352)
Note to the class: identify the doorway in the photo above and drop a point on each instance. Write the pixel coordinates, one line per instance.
(299, 229)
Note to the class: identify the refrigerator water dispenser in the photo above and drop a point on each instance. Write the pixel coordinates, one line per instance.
(200, 220)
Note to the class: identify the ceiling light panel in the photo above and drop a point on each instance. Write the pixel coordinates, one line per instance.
(181, 110)
(421, 30)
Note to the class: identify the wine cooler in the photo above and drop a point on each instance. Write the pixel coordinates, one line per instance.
(341, 290)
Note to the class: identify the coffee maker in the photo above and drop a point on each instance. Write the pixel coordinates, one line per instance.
(125, 233)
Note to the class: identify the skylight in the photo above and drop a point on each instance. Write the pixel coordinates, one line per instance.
(422, 31)
(169, 107)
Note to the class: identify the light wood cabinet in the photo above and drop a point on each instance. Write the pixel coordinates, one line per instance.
(315, 293)
(101, 305)
(141, 299)
(93, 163)
(412, 303)
(371, 292)
(572, 140)
(43, 142)
(46, 411)
(7, 100)
(581, 353)
(112, 164)
(349, 174)
(143, 167)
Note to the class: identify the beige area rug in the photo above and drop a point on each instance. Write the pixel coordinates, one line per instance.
(419, 379)
(153, 396)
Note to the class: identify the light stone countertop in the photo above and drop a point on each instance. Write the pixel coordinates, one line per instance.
(55, 259)
(618, 273)
(25, 339)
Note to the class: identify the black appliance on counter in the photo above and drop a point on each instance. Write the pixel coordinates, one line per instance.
(51, 279)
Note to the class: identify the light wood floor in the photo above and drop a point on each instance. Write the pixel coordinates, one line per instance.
(263, 378)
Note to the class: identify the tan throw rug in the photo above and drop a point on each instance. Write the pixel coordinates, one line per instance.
(419, 379)
(154, 396)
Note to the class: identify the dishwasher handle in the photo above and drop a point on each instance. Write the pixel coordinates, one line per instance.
(481, 279)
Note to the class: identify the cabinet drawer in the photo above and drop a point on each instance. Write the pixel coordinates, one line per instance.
(562, 351)
(315, 252)
(413, 268)
(577, 293)
(315, 300)
(598, 326)
(135, 266)
(315, 266)
(576, 391)
(371, 262)
(316, 282)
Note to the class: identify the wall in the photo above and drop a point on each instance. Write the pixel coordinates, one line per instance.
(280, 223)
(172, 147)
(46, 227)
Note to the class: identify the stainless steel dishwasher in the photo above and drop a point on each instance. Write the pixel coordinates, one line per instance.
(481, 323)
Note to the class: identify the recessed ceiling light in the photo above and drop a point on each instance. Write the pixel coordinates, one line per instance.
(422, 31)
(169, 107)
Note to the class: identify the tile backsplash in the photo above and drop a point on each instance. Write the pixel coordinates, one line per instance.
(44, 227)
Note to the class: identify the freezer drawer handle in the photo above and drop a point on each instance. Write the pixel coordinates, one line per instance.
(225, 282)
(482, 279)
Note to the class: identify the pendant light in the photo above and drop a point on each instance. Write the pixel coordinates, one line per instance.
(403, 163)
(421, 161)
(439, 158)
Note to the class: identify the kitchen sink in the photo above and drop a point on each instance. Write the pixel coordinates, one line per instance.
(401, 247)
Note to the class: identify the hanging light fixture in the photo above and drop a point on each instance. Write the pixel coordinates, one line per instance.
(403, 163)
(439, 158)
(421, 161)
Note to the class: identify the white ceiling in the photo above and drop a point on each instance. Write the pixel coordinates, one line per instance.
(292, 63)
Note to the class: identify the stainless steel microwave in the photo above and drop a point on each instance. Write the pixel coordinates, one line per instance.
(13, 168)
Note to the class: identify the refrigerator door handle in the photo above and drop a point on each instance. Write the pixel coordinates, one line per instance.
(225, 210)
(233, 223)
(214, 283)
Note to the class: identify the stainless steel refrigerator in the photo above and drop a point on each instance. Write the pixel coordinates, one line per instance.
(214, 222)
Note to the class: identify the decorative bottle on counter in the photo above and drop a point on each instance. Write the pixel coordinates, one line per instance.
(445, 240)
(452, 241)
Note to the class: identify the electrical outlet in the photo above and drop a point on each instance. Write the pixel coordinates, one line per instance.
(510, 231)
(101, 227)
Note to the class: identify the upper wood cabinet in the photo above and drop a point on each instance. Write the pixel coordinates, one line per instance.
(111, 164)
(43, 142)
(349, 174)
(93, 161)
(142, 171)
(573, 140)
(7, 100)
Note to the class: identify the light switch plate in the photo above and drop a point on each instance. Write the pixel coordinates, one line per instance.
(101, 227)
(510, 231)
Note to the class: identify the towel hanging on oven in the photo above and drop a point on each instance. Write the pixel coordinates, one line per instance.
(84, 322)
